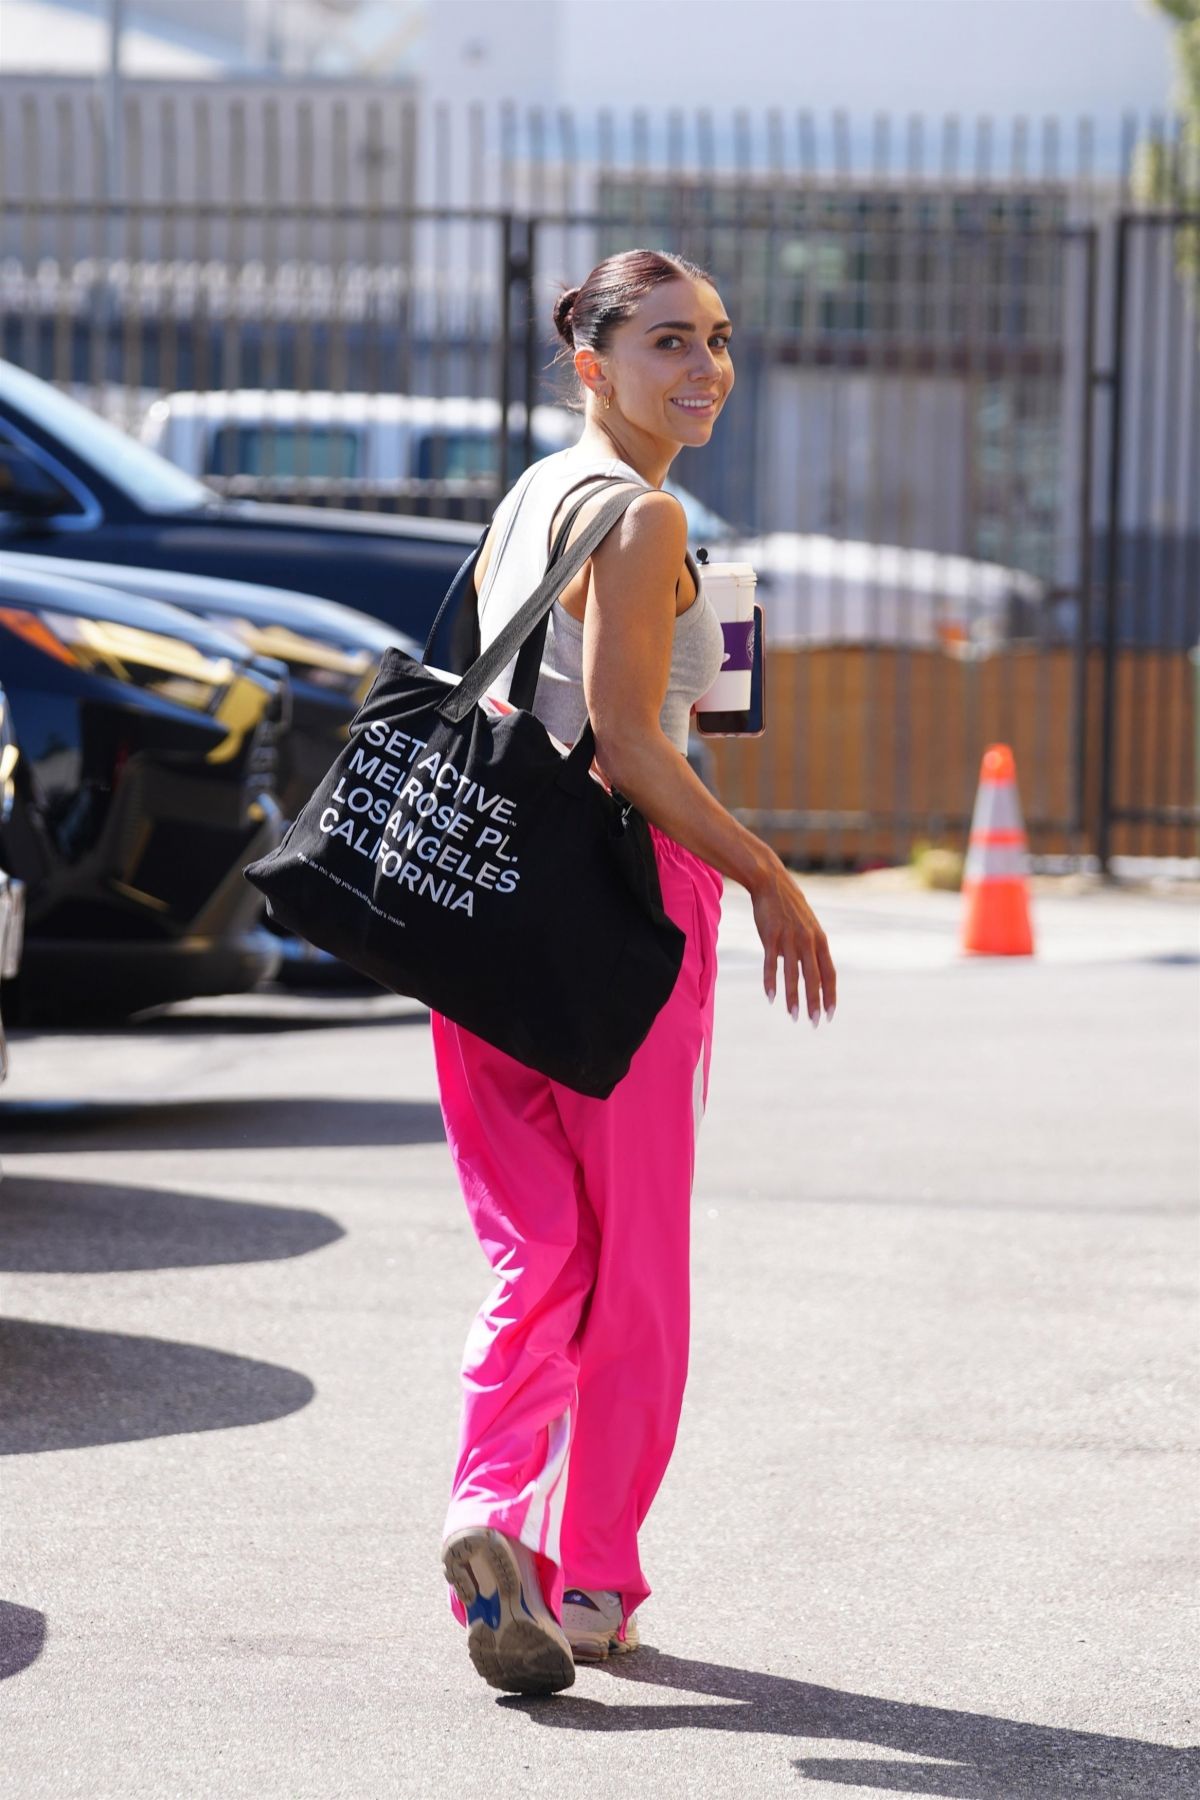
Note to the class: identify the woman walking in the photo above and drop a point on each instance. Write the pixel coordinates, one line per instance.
(574, 1369)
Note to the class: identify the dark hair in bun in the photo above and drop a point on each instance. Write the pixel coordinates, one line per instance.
(562, 315)
(585, 316)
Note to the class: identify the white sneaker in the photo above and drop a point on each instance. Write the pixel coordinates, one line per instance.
(512, 1636)
(592, 1619)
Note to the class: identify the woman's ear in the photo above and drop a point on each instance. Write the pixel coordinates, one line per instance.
(589, 368)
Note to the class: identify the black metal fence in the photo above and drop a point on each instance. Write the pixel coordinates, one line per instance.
(962, 451)
(1149, 616)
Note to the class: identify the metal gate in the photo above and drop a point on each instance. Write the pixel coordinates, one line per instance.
(1149, 776)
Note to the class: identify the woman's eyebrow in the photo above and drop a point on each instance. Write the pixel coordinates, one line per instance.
(686, 325)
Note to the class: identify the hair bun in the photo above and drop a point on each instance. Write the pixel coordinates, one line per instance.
(562, 314)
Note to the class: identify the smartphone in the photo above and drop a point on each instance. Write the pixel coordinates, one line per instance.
(753, 722)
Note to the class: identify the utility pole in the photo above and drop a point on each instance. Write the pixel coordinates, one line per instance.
(116, 172)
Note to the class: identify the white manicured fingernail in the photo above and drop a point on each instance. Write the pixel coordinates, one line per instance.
(794, 1012)
(829, 1012)
(771, 995)
(815, 1016)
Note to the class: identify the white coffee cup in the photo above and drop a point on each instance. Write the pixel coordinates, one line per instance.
(730, 587)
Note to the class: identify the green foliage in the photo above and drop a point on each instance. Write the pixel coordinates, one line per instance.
(1168, 175)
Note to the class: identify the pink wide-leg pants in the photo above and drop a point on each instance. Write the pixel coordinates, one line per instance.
(574, 1368)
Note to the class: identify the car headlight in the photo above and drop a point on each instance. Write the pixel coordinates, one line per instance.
(345, 669)
(170, 668)
(167, 666)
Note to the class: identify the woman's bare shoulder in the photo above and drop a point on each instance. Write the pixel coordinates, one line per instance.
(650, 539)
(652, 519)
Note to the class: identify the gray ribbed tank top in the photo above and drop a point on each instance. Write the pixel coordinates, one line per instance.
(520, 548)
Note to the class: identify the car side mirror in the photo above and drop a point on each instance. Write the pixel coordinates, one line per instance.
(27, 490)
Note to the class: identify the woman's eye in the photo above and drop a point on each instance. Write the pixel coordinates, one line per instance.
(718, 338)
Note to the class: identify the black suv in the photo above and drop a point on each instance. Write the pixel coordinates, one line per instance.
(142, 764)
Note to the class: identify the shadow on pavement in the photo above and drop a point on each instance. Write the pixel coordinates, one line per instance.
(244, 1024)
(60, 1227)
(337, 1013)
(30, 1126)
(22, 1637)
(64, 1388)
(977, 1757)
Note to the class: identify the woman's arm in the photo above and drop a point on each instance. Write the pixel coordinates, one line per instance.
(628, 634)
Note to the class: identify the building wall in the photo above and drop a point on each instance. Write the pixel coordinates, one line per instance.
(313, 145)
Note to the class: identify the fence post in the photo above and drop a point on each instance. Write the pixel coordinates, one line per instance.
(530, 347)
(516, 272)
(1113, 526)
(1093, 383)
(506, 280)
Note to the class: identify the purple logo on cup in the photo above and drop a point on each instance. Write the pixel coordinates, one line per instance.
(739, 646)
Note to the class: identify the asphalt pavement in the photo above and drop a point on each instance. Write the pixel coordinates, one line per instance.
(931, 1521)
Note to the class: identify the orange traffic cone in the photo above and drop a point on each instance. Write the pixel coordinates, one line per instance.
(996, 878)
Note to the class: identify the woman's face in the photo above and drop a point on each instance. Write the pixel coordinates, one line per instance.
(668, 368)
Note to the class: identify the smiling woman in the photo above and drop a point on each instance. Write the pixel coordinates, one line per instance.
(588, 317)
(574, 1369)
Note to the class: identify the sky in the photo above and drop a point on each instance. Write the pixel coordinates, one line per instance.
(929, 56)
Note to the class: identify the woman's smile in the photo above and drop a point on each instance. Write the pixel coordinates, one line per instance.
(694, 403)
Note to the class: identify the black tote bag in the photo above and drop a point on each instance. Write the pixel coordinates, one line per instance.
(461, 859)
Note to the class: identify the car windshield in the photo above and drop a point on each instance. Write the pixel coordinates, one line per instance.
(149, 480)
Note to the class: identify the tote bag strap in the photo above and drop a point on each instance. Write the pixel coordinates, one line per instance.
(500, 652)
(592, 484)
(523, 687)
(454, 594)
(465, 575)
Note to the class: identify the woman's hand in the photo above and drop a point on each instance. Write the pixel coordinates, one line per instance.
(788, 927)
